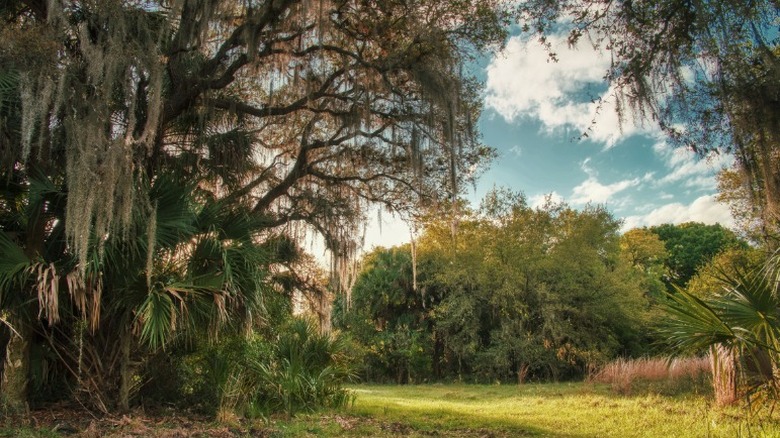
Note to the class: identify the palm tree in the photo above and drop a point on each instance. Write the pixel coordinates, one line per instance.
(199, 266)
(740, 326)
(31, 245)
(31, 242)
(191, 260)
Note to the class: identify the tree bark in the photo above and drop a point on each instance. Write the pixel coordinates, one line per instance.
(125, 371)
(724, 374)
(16, 366)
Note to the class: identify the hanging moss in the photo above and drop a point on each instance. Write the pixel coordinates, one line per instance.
(350, 73)
(96, 98)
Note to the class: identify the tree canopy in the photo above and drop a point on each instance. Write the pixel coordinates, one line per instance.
(692, 245)
(517, 293)
(305, 110)
(707, 72)
(162, 160)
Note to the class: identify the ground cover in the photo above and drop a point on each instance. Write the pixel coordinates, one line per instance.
(564, 410)
(558, 410)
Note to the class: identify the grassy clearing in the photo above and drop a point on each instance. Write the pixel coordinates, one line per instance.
(562, 410)
(556, 410)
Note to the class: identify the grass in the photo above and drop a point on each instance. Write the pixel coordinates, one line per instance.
(559, 410)
(459, 410)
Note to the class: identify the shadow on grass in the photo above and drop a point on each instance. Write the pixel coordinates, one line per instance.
(561, 410)
(462, 410)
(454, 422)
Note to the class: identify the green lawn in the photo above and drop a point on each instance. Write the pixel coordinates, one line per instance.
(563, 410)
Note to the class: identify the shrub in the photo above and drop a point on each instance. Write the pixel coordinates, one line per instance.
(306, 371)
(297, 369)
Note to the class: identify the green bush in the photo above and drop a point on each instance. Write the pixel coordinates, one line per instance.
(307, 372)
(200, 375)
(298, 369)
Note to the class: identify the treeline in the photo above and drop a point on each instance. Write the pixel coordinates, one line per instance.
(519, 293)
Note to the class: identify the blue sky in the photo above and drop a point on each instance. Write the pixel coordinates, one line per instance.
(534, 113)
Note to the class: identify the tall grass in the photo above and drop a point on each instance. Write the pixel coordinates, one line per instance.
(624, 374)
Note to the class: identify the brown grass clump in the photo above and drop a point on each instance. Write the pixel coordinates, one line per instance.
(623, 374)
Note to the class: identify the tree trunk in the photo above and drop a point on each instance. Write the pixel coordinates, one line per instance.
(522, 372)
(324, 312)
(125, 371)
(724, 374)
(16, 367)
(16, 363)
(438, 347)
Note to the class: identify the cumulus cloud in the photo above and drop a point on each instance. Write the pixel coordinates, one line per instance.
(704, 209)
(523, 82)
(592, 190)
(690, 170)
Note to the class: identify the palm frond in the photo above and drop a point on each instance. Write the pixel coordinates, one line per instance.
(175, 216)
(9, 89)
(744, 311)
(750, 304)
(156, 318)
(14, 271)
(693, 324)
(771, 271)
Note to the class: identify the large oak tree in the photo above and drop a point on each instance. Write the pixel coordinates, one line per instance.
(300, 112)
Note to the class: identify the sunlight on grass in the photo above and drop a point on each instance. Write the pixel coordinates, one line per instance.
(564, 410)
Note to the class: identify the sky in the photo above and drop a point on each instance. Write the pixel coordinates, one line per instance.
(534, 113)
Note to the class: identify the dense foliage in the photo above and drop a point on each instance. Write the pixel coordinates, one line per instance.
(295, 369)
(517, 293)
(690, 246)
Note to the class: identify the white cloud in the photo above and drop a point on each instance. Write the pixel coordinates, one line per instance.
(523, 82)
(538, 201)
(585, 166)
(591, 190)
(516, 150)
(690, 170)
(704, 209)
(701, 182)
